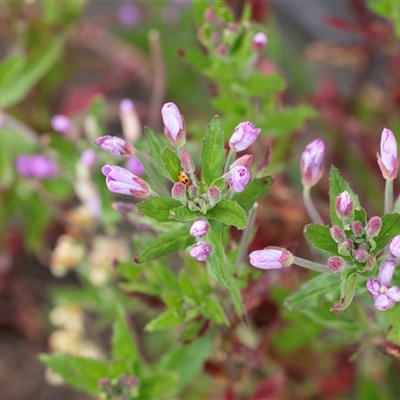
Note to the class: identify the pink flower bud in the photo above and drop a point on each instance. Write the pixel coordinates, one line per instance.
(259, 42)
(358, 228)
(394, 247)
(244, 161)
(337, 234)
(126, 106)
(221, 49)
(36, 166)
(343, 205)
(387, 160)
(61, 124)
(129, 14)
(187, 162)
(135, 166)
(199, 228)
(243, 136)
(200, 251)
(271, 258)
(238, 179)
(361, 255)
(88, 158)
(214, 196)
(120, 180)
(193, 191)
(374, 226)
(209, 16)
(311, 166)
(173, 124)
(336, 264)
(178, 192)
(115, 146)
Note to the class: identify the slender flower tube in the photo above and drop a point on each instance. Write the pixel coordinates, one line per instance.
(311, 166)
(238, 179)
(381, 291)
(387, 160)
(271, 258)
(173, 124)
(394, 247)
(200, 251)
(120, 180)
(343, 205)
(61, 124)
(115, 146)
(259, 42)
(199, 228)
(243, 136)
(36, 166)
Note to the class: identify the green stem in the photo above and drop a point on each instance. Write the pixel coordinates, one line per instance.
(388, 196)
(301, 262)
(310, 207)
(229, 160)
(245, 240)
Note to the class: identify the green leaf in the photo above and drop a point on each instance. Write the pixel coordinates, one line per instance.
(35, 69)
(212, 152)
(156, 147)
(260, 84)
(229, 212)
(217, 260)
(212, 309)
(158, 386)
(82, 373)
(348, 285)
(10, 69)
(312, 292)
(187, 361)
(172, 163)
(338, 185)
(167, 320)
(192, 330)
(254, 191)
(390, 229)
(166, 243)
(236, 297)
(360, 215)
(188, 288)
(321, 238)
(159, 208)
(123, 346)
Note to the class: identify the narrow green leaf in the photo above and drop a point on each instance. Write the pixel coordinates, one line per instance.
(166, 243)
(348, 288)
(321, 238)
(35, 69)
(156, 147)
(390, 229)
(360, 215)
(212, 152)
(393, 333)
(217, 260)
(123, 346)
(172, 163)
(167, 320)
(236, 297)
(82, 373)
(193, 329)
(10, 69)
(158, 386)
(159, 208)
(187, 286)
(338, 185)
(312, 292)
(212, 309)
(253, 192)
(230, 213)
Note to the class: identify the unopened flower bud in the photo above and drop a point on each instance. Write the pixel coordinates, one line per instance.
(173, 124)
(115, 146)
(344, 205)
(387, 160)
(187, 162)
(346, 248)
(200, 251)
(209, 15)
(193, 191)
(135, 166)
(374, 226)
(311, 166)
(221, 50)
(361, 255)
(357, 228)
(271, 258)
(214, 196)
(199, 228)
(337, 234)
(243, 136)
(259, 42)
(178, 192)
(244, 161)
(120, 180)
(61, 124)
(336, 264)
(238, 179)
(394, 247)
